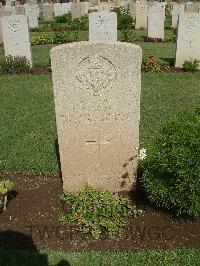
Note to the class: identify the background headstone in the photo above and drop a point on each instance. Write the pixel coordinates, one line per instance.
(176, 11)
(3, 13)
(48, 12)
(84, 8)
(141, 15)
(76, 10)
(97, 102)
(191, 8)
(16, 36)
(156, 21)
(66, 7)
(58, 11)
(188, 41)
(103, 26)
(32, 17)
(20, 10)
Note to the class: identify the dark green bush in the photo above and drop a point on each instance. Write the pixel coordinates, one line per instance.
(63, 19)
(124, 19)
(14, 65)
(51, 26)
(94, 211)
(127, 35)
(172, 35)
(191, 64)
(171, 171)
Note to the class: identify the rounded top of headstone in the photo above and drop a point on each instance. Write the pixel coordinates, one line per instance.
(108, 45)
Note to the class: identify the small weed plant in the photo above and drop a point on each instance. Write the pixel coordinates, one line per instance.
(191, 65)
(5, 187)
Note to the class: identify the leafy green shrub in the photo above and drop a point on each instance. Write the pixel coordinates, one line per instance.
(59, 38)
(35, 30)
(79, 24)
(171, 171)
(127, 35)
(95, 210)
(65, 18)
(14, 65)
(150, 63)
(172, 35)
(191, 64)
(124, 19)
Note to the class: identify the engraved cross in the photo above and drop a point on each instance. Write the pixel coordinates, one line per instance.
(99, 142)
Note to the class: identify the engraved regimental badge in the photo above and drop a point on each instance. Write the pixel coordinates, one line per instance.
(96, 73)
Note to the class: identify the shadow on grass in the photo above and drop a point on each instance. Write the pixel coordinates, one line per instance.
(19, 249)
(170, 61)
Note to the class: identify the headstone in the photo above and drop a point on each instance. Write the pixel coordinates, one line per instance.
(84, 8)
(141, 15)
(156, 21)
(103, 26)
(132, 9)
(58, 11)
(26, 8)
(97, 102)
(20, 10)
(48, 12)
(76, 10)
(176, 11)
(7, 8)
(16, 36)
(13, 10)
(153, 3)
(36, 7)
(104, 6)
(191, 8)
(32, 17)
(3, 13)
(188, 38)
(66, 7)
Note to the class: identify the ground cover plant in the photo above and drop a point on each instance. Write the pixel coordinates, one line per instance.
(14, 65)
(5, 187)
(191, 64)
(96, 211)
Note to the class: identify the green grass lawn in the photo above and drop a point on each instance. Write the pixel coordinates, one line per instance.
(164, 51)
(27, 119)
(150, 258)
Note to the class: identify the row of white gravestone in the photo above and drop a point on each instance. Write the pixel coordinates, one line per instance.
(31, 11)
(142, 9)
(178, 9)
